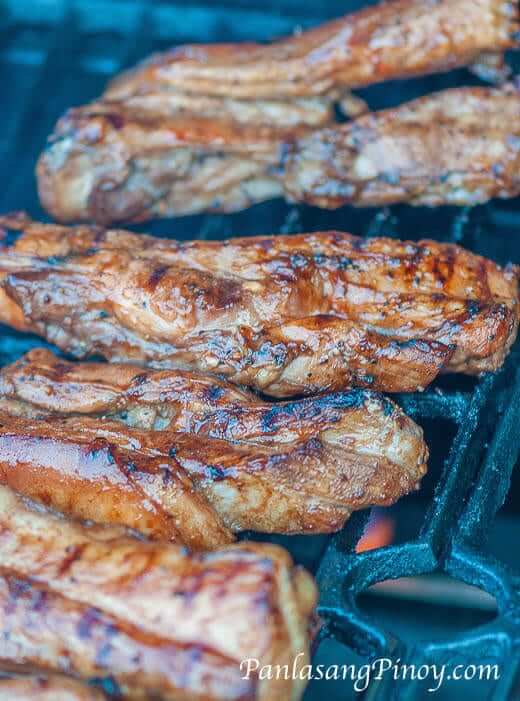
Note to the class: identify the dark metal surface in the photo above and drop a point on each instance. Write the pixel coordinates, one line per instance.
(54, 54)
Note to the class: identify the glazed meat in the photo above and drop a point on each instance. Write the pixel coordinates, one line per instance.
(189, 458)
(457, 147)
(45, 688)
(109, 163)
(298, 80)
(99, 471)
(395, 39)
(158, 621)
(287, 315)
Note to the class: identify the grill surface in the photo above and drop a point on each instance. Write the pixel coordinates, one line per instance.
(55, 54)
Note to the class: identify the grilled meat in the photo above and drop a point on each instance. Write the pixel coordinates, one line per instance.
(299, 80)
(99, 471)
(395, 39)
(45, 688)
(287, 315)
(457, 147)
(160, 622)
(109, 163)
(157, 450)
(392, 40)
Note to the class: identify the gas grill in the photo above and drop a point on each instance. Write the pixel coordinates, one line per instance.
(57, 53)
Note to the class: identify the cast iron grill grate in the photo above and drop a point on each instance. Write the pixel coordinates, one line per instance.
(59, 53)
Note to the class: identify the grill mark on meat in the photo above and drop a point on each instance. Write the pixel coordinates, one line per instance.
(123, 619)
(97, 451)
(116, 120)
(286, 315)
(215, 393)
(99, 235)
(298, 410)
(156, 276)
(219, 128)
(72, 554)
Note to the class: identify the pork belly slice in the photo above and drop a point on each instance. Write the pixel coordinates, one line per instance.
(393, 39)
(160, 622)
(298, 81)
(46, 688)
(456, 147)
(108, 163)
(286, 315)
(189, 458)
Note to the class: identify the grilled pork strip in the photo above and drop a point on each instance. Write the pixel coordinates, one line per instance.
(93, 470)
(116, 443)
(298, 81)
(395, 39)
(287, 315)
(109, 163)
(457, 147)
(162, 623)
(46, 688)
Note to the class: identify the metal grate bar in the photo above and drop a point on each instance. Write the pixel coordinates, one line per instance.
(458, 472)
(436, 405)
(494, 480)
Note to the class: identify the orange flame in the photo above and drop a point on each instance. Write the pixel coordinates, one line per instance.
(379, 532)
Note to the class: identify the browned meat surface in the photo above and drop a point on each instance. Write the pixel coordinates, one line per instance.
(394, 39)
(45, 688)
(286, 315)
(458, 147)
(298, 80)
(189, 458)
(159, 102)
(161, 622)
(109, 162)
(99, 471)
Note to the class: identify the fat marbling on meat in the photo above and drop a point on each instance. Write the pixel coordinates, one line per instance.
(156, 620)
(285, 315)
(191, 459)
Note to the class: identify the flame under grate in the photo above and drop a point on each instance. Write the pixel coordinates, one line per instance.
(57, 54)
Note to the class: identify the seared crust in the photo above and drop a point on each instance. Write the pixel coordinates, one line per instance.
(159, 621)
(93, 471)
(189, 458)
(109, 163)
(45, 688)
(287, 315)
(395, 39)
(458, 147)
